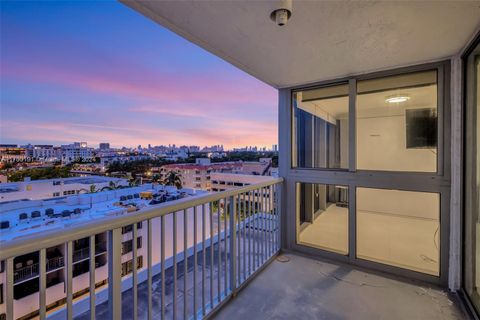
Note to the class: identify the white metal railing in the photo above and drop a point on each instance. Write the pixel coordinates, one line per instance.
(231, 235)
(31, 271)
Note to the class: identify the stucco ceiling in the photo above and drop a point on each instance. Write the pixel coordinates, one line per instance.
(322, 40)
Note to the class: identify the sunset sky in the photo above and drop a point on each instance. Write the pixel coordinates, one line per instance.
(100, 72)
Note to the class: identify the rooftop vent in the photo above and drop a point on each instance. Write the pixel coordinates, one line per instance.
(36, 214)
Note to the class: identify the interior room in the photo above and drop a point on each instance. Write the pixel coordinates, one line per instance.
(396, 130)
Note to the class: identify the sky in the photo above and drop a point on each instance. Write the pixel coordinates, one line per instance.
(100, 72)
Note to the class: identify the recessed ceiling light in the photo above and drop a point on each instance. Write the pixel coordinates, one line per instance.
(398, 98)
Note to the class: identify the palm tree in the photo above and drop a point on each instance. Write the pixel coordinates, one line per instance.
(172, 179)
(111, 186)
(134, 182)
(156, 178)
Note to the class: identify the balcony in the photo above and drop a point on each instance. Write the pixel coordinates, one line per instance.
(231, 242)
(206, 246)
(299, 287)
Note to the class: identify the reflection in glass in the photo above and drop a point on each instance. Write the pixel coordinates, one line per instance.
(396, 123)
(399, 228)
(320, 128)
(323, 216)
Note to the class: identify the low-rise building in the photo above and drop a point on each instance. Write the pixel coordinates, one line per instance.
(54, 188)
(12, 153)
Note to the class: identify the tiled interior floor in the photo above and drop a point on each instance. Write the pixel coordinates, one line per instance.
(402, 241)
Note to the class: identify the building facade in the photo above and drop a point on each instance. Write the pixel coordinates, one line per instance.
(54, 188)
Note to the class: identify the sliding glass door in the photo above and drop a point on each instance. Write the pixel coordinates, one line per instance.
(370, 170)
(472, 179)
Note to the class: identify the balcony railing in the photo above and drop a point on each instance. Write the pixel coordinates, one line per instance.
(32, 270)
(208, 247)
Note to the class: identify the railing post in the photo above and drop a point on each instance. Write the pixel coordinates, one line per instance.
(233, 244)
(115, 274)
(280, 218)
(9, 288)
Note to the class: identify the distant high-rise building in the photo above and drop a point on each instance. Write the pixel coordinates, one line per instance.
(104, 146)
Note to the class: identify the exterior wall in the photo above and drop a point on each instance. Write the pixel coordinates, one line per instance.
(455, 269)
(227, 181)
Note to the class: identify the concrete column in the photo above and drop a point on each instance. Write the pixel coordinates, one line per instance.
(455, 265)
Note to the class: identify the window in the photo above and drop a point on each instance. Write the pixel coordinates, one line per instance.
(322, 216)
(129, 228)
(1, 293)
(127, 267)
(399, 228)
(396, 123)
(127, 246)
(56, 194)
(320, 127)
(369, 163)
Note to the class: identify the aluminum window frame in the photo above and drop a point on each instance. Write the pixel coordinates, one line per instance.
(469, 150)
(436, 182)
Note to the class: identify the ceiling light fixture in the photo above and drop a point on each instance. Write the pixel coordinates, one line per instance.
(398, 98)
(281, 11)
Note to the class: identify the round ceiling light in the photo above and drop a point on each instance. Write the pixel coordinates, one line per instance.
(398, 98)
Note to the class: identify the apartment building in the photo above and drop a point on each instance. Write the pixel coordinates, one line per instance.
(54, 188)
(23, 218)
(12, 153)
(45, 153)
(198, 175)
(77, 151)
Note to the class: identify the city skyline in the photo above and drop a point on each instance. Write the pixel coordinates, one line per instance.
(147, 146)
(108, 74)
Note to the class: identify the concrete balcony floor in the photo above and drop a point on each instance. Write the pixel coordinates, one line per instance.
(304, 288)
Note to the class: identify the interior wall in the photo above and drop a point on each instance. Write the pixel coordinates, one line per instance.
(402, 203)
(381, 145)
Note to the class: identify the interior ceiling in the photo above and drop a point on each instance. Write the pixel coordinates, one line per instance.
(323, 39)
(374, 103)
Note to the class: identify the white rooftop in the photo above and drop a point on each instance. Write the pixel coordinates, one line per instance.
(68, 211)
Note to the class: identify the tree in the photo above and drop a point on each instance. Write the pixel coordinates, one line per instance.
(156, 178)
(93, 188)
(172, 179)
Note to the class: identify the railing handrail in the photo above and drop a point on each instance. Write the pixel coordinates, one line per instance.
(54, 237)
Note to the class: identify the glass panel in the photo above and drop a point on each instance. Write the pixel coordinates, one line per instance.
(320, 128)
(323, 216)
(472, 179)
(396, 123)
(399, 228)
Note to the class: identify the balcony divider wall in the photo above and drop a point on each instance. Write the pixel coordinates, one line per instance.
(438, 182)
